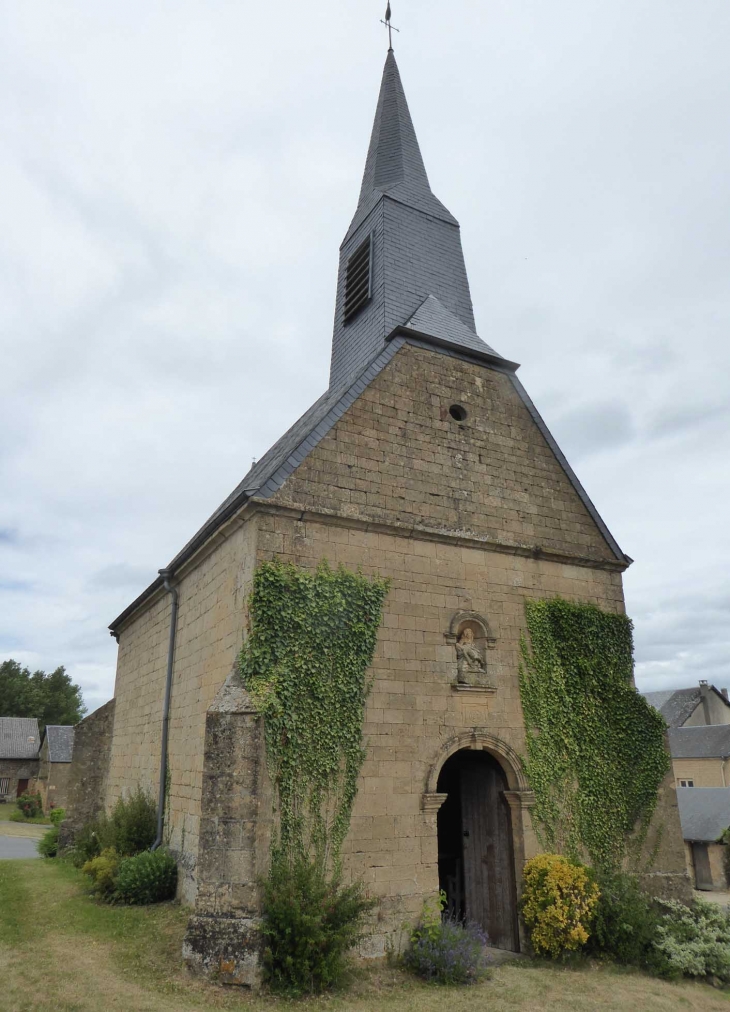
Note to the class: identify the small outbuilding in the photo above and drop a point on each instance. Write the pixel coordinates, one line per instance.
(705, 814)
(19, 742)
(54, 766)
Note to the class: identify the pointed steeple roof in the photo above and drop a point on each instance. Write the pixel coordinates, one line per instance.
(416, 276)
(394, 164)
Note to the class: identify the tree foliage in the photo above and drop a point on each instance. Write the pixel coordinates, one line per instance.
(595, 747)
(50, 698)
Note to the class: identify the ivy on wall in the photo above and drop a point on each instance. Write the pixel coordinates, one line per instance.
(595, 748)
(311, 641)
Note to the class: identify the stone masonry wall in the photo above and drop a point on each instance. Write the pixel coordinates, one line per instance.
(54, 780)
(398, 456)
(15, 770)
(414, 714)
(223, 936)
(209, 636)
(87, 779)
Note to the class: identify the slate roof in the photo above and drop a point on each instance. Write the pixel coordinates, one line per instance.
(675, 706)
(678, 705)
(704, 812)
(707, 741)
(433, 318)
(15, 733)
(394, 164)
(60, 743)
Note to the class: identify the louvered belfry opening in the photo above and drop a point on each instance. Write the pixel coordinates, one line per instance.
(358, 287)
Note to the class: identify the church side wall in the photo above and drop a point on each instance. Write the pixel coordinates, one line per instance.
(414, 712)
(209, 636)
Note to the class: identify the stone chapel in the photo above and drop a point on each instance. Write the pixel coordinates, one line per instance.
(425, 461)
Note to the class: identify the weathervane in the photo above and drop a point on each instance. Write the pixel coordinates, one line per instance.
(390, 27)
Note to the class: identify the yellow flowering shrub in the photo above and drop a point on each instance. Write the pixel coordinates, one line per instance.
(558, 900)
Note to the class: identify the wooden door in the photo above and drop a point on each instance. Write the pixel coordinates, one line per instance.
(489, 878)
(701, 861)
(22, 787)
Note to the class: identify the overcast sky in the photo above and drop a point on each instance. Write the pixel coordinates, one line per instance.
(175, 180)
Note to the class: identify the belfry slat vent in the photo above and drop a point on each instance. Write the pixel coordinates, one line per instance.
(358, 279)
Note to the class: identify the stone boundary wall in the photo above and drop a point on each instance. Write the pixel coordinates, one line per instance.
(87, 780)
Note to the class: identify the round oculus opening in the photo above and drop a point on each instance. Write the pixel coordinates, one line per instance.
(457, 412)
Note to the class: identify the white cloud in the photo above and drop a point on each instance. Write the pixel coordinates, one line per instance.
(177, 179)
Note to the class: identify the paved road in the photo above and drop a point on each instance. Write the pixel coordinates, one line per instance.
(17, 847)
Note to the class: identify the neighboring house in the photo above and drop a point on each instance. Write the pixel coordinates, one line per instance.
(54, 768)
(19, 739)
(695, 707)
(701, 755)
(705, 814)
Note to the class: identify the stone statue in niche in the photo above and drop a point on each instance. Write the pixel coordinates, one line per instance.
(470, 636)
(470, 664)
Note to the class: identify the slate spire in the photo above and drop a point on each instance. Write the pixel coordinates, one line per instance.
(394, 163)
(416, 246)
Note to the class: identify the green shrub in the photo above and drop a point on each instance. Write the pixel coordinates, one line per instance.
(102, 870)
(16, 816)
(694, 941)
(87, 843)
(30, 805)
(447, 952)
(57, 815)
(310, 922)
(130, 829)
(150, 877)
(48, 844)
(625, 922)
(558, 900)
(132, 825)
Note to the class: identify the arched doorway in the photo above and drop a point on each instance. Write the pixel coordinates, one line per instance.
(476, 861)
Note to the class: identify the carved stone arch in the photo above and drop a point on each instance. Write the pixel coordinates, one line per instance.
(479, 739)
(463, 617)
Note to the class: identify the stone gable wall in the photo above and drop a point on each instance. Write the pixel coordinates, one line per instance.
(398, 456)
(414, 712)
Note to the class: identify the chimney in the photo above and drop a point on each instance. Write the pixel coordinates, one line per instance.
(724, 695)
(705, 696)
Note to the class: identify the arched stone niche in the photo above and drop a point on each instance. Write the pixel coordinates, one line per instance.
(471, 637)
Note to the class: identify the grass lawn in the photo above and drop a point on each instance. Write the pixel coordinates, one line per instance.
(12, 813)
(22, 829)
(62, 952)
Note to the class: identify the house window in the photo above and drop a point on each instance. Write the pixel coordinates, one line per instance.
(358, 279)
(686, 783)
(4, 785)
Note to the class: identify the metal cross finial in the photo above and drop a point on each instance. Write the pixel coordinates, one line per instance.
(391, 28)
